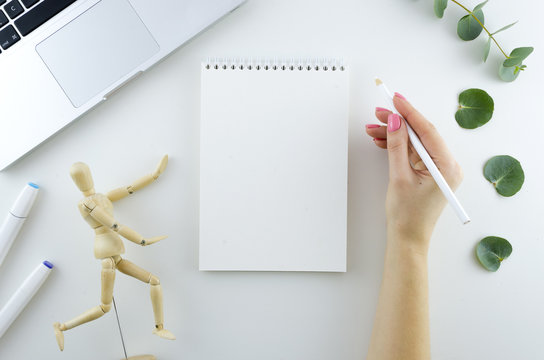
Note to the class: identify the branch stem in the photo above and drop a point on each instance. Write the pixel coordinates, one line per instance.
(483, 27)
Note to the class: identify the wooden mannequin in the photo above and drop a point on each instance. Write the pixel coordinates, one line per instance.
(97, 210)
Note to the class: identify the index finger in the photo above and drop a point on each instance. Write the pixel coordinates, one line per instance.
(425, 130)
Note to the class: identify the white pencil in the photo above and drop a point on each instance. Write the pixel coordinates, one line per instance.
(424, 155)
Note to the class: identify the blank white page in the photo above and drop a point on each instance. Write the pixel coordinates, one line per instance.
(273, 169)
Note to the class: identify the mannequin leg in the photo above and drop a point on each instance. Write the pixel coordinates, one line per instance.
(107, 279)
(129, 268)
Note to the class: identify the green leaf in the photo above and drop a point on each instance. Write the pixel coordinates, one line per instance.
(468, 28)
(505, 173)
(439, 7)
(492, 250)
(504, 28)
(480, 6)
(487, 48)
(508, 73)
(475, 108)
(517, 56)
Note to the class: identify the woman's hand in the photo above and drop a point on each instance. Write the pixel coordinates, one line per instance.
(414, 201)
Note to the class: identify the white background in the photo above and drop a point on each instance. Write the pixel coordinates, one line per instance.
(474, 314)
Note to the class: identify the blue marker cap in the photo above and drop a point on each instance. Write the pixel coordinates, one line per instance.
(48, 264)
(33, 185)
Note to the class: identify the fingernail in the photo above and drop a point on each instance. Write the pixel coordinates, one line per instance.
(400, 96)
(393, 122)
(372, 126)
(375, 139)
(381, 109)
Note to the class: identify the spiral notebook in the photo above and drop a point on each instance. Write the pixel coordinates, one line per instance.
(273, 165)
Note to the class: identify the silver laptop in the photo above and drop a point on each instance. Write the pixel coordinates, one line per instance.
(60, 58)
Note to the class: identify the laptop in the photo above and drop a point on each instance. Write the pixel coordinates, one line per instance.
(60, 58)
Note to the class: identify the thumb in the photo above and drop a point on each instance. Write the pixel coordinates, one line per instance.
(397, 146)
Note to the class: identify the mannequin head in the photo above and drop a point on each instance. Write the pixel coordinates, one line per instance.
(81, 174)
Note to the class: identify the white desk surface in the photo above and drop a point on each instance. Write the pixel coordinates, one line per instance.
(294, 316)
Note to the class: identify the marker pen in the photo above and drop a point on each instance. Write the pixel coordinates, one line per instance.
(22, 296)
(16, 218)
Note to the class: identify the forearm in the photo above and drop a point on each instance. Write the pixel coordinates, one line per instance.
(130, 234)
(142, 182)
(122, 192)
(104, 218)
(401, 325)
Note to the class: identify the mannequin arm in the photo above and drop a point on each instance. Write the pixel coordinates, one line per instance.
(119, 193)
(97, 213)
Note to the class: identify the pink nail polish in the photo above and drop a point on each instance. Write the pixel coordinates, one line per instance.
(381, 109)
(393, 122)
(400, 96)
(372, 126)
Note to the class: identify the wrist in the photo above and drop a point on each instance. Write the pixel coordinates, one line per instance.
(409, 240)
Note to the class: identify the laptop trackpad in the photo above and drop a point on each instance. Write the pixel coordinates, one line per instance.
(96, 49)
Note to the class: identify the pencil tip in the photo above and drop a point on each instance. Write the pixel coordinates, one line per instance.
(378, 81)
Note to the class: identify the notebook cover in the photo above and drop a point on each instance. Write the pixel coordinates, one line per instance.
(273, 166)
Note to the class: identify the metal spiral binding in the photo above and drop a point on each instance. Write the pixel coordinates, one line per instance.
(274, 64)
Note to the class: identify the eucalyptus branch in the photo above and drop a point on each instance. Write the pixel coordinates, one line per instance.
(470, 26)
(482, 25)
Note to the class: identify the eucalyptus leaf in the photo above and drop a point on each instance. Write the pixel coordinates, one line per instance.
(505, 173)
(492, 250)
(468, 28)
(508, 73)
(439, 7)
(487, 48)
(480, 6)
(517, 56)
(504, 28)
(475, 108)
